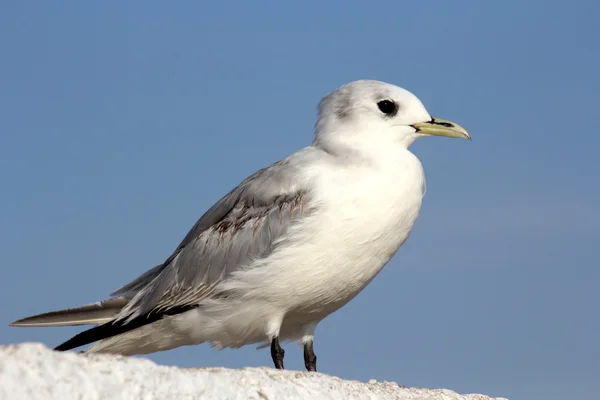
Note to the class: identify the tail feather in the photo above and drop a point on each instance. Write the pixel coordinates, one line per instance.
(89, 314)
(104, 315)
(118, 327)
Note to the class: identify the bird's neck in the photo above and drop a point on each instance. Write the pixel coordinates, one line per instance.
(377, 156)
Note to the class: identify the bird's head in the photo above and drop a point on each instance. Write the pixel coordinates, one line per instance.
(372, 118)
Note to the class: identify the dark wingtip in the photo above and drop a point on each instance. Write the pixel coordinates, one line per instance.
(113, 328)
(94, 334)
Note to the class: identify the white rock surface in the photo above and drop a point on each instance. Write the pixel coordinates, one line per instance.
(32, 371)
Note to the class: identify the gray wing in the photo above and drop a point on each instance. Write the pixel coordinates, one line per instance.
(244, 225)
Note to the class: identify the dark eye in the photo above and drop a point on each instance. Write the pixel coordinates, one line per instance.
(388, 107)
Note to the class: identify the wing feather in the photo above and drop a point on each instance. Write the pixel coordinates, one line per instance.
(244, 225)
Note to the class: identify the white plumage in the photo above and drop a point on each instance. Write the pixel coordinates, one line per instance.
(294, 242)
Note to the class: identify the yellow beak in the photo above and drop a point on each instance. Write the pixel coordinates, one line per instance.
(441, 127)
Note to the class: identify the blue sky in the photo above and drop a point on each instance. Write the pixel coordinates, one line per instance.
(122, 123)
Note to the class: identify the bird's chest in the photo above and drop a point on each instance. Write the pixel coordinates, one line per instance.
(366, 216)
(363, 219)
(374, 214)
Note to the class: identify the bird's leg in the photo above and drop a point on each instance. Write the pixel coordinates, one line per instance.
(277, 353)
(310, 359)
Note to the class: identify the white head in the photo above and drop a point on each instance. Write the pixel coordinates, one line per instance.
(372, 119)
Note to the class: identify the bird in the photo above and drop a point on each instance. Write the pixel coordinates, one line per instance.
(290, 245)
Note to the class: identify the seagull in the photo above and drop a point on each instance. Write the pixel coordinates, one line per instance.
(293, 243)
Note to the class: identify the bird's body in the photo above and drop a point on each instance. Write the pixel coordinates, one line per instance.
(296, 286)
(289, 246)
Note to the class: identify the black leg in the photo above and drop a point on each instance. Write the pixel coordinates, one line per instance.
(310, 359)
(277, 353)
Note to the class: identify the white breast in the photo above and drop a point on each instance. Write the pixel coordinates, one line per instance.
(366, 213)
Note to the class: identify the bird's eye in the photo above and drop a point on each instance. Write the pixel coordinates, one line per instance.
(388, 107)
